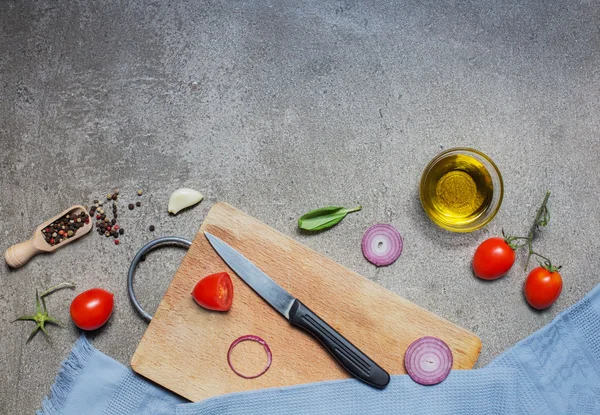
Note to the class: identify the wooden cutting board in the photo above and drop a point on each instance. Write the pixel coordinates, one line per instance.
(185, 347)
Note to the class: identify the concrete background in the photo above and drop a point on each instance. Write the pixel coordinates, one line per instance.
(278, 108)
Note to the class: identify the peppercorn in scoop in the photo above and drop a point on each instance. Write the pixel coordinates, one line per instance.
(64, 228)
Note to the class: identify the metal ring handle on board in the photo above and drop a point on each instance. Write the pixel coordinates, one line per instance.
(166, 240)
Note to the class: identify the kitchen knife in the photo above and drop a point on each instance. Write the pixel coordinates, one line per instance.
(350, 357)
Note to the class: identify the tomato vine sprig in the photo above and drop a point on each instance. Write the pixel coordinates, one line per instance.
(516, 242)
(41, 316)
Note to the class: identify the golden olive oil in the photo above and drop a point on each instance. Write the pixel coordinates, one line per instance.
(458, 189)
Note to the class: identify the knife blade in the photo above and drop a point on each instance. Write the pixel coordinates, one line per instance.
(349, 356)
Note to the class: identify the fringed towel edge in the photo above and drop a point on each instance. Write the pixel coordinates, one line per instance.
(68, 373)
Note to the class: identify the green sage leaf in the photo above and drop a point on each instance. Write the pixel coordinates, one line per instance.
(323, 218)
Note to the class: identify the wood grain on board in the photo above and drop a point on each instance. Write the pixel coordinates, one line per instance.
(185, 347)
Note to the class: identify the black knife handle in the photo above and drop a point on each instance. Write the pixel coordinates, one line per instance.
(352, 359)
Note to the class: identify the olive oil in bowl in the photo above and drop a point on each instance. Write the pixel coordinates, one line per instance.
(461, 190)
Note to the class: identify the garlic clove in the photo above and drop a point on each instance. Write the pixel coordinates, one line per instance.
(183, 198)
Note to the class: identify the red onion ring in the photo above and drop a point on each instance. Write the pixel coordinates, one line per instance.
(252, 338)
(382, 244)
(428, 360)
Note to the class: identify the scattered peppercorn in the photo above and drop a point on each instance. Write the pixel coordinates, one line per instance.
(105, 226)
(139, 192)
(95, 201)
(130, 206)
(117, 242)
(138, 204)
(151, 228)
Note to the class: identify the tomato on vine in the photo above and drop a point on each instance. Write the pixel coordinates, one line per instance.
(493, 258)
(543, 286)
(496, 256)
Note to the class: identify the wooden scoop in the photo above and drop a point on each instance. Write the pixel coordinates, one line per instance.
(17, 255)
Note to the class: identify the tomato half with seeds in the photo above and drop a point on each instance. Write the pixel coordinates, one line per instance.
(91, 309)
(543, 287)
(493, 258)
(214, 292)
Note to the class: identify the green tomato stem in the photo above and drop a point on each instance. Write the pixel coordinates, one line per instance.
(57, 287)
(41, 317)
(541, 219)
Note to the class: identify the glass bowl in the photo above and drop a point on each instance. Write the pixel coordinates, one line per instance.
(461, 190)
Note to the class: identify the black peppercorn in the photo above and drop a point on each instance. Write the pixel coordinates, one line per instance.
(138, 204)
(130, 206)
(121, 231)
(151, 228)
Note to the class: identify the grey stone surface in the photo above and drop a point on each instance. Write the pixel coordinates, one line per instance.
(280, 107)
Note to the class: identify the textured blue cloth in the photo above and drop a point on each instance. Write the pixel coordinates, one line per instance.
(554, 371)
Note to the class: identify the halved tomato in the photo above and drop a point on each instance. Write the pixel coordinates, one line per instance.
(214, 292)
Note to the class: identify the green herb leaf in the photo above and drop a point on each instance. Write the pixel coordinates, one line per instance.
(323, 218)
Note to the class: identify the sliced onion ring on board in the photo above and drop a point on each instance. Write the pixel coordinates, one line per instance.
(255, 339)
(382, 244)
(428, 360)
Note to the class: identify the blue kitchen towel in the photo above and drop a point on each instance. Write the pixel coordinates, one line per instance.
(554, 371)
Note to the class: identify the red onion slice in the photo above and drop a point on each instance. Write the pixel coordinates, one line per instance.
(382, 244)
(258, 340)
(428, 360)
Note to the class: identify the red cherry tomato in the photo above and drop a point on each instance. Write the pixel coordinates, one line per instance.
(214, 292)
(493, 258)
(91, 309)
(542, 287)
